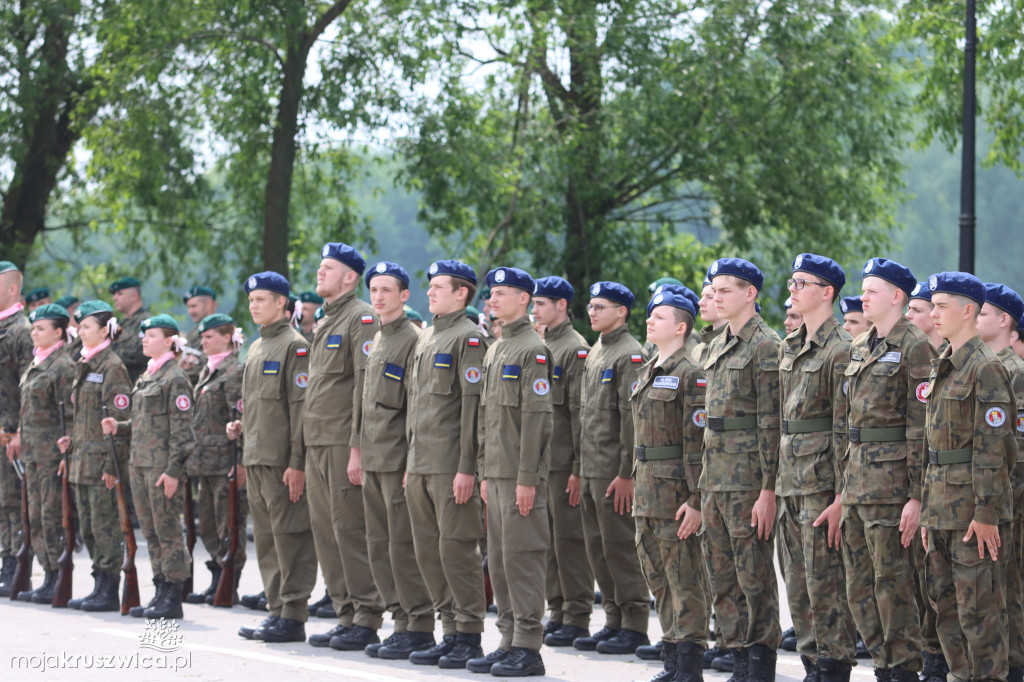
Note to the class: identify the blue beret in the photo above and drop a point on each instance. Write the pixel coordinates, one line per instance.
(788, 303)
(958, 283)
(851, 304)
(892, 272)
(345, 254)
(511, 277)
(50, 311)
(707, 281)
(680, 289)
(452, 268)
(386, 267)
(613, 291)
(1005, 298)
(922, 292)
(737, 267)
(124, 283)
(198, 291)
(37, 294)
(820, 266)
(213, 321)
(94, 307)
(161, 321)
(269, 280)
(671, 298)
(553, 287)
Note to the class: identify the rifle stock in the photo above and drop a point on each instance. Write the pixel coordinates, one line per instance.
(23, 573)
(190, 536)
(66, 562)
(130, 593)
(225, 594)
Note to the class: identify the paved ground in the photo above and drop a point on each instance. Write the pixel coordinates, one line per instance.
(39, 642)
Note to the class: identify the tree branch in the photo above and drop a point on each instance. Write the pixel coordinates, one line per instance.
(323, 21)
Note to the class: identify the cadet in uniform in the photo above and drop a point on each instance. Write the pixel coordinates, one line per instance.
(570, 582)
(854, 321)
(70, 304)
(793, 319)
(606, 471)
(996, 322)
(310, 302)
(669, 417)
(919, 312)
(967, 495)
(714, 324)
(331, 429)
(218, 401)
(444, 503)
(812, 361)
(886, 383)
(200, 302)
(101, 380)
(15, 356)
(740, 465)
(515, 440)
(162, 440)
(273, 389)
(128, 303)
(384, 450)
(684, 291)
(45, 383)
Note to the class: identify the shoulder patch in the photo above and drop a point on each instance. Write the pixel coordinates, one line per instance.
(472, 375)
(702, 383)
(582, 353)
(510, 372)
(366, 319)
(1020, 422)
(666, 382)
(541, 387)
(473, 341)
(121, 401)
(922, 391)
(995, 417)
(636, 357)
(301, 352)
(846, 387)
(394, 372)
(302, 379)
(183, 402)
(367, 347)
(542, 359)
(632, 387)
(700, 417)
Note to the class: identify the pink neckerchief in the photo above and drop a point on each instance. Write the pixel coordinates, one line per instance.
(88, 353)
(42, 354)
(157, 363)
(16, 308)
(213, 360)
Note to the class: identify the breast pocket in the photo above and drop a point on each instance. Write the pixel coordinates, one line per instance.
(270, 387)
(810, 377)
(739, 384)
(558, 389)
(957, 404)
(887, 375)
(390, 386)
(441, 380)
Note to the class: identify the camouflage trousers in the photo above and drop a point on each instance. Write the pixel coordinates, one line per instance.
(392, 553)
(212, 511)
(1014, 564)
(10, 510)
(675, 572)
(815, 581)
(925, 607)
(161, 525)
(880, 585)
(742, 571)
(45, 512)
(100, 526)
(970, 601)
(570, 582)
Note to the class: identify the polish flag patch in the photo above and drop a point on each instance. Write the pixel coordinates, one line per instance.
(366, 319)
(301, 352)
(473, 341)
(702, 383)
(581, 353)
(636, 357)
(542, 359)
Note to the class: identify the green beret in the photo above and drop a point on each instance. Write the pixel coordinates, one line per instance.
(125, 283)
(412, 314)
(311, 297)
(213, 321)
(472, 313)
(93, 307)
(37, 294)
(199, 291)
(485, 293)
(161, 321)
(67, 301)
(653, 286)
(7, 266)
(318, 314)
(50, 311)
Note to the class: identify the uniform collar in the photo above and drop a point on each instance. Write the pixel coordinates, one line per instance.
(559, 330)
(709, 333)
(394, 325)
(89, 353)
(819, 338)
(1006, 353)
(962, 354)
(448, 319)
(615, 335)
(746, 332)
(338, 305)
(16, 308)
(669, 365)
(517, 327)
(275, 328)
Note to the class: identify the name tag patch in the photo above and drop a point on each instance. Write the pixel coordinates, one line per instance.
(94, 377)
(510, 372)
(393, 372)
(443, 361)
(271, 366)
(666, 382)
(333, 341)
(891, 356)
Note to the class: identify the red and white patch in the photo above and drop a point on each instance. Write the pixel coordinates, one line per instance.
(922, 391)
(301, 352)
(183, 402)
(995, 416)
(301, 379)
(700, 418)
(472, 375)
(366, 319)
(582, 353)
(473, 341)
(367, 347)
(121, 401)
(636, 357)
(238, 405)
(542, 359)
(702, 383)
(632, 387)
(1020, 422)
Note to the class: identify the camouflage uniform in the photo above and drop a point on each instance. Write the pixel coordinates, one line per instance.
(882, 471)
(385, 447)
(445, 395)
(700, 351)
(969, 436)
(331, 425)
(741, 445)
(570, 582)
(669, 416)
(100, 381)
(15, 355)
(273, 390)
(217, 397)
(606, 452)
(813, 444)
(129, 344)
(42, 386)
(1015, 557)
(195, 364)
(162, 440)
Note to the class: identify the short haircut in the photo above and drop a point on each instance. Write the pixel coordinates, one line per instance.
(963, 301)
(682, 316)
(460, 283)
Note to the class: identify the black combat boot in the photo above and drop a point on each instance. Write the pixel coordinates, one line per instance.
(521, 662)
(396, 639)
(483, 664)
(7, 567)
(250, 633)
(432, 655)
(935, 669)
(467, 646)
(650, 652)
(42, 594)
(590, 642)
(565, 635)
(96, 582)
(882, 674)
(740, 665)
(253, 601)
(668, 655)
(312, 608)
(899, 674)
(788, 640)
(1015, 674)
(761, 663)
(410, 642)
(810, 669)
(356, 638)
(831, 670)
(624, 642)
(169, 605)
(234, 595)
(711, 654)
(106, 598)
(201, 597)
(282, 630)
(139, 611)
(689, 662)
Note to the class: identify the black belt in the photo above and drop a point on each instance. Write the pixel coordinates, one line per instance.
(889, 434)
(945, 457)
(790, 426)
(731, 423)
(643, 454)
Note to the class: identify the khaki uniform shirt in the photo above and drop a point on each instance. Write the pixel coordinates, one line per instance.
(970, 406)
(447, 369)
(161, 423)
(515, 407)
(218, 400)
(811, 378)
(385, 443)
(568, 351)
(337, 364)
(273, 390)
(43, 386)
(129, 344)
(887, 387)
(1015, 367)
(15, 356)
(668, 409)
(609, 376)
(101, 381)
(743, 381)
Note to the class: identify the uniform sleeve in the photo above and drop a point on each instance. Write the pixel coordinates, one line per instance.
(22, 350)
(574, 399)
(838, 390)
(364, 336)
(995, 447)
(296, 376)
(919, 368)
(471, 356)
(116, 384)
(766, 371)
(181, 439)
(65, 379)
(693, 408)
(535, 431)
(628, 374)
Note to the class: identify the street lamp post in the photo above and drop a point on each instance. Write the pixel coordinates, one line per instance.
(967, 217)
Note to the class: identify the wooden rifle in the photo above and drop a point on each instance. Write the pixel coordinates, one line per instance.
(225, 594)
(66, 563)
(130, 593)
(23, 573)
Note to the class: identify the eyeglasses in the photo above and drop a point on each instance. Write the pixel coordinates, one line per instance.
(798, 284)
(598, 308)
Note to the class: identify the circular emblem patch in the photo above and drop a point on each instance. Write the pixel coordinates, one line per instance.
(367, 347)
(183, 403)
(714, 268)
(658, 299)
(72, 398)
(301, 379)
(252, 283)
(995, 416)
(326, 251)
(1020, 422)
(798, 261)
(499, 276)
(381, 267)
(846, 387)
(700, 418)
(632, 387)
(933, 282)
(433, 269)
(870, 264)
(922, 391)
(121, 401)
(238, 405)
(595, 290)
(541, 387)
(472, 374)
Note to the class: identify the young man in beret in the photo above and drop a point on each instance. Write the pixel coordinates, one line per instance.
(200, 301)
(854, 321)
(127, 294)
(919, 312)
(39, 296)
(310, 301)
